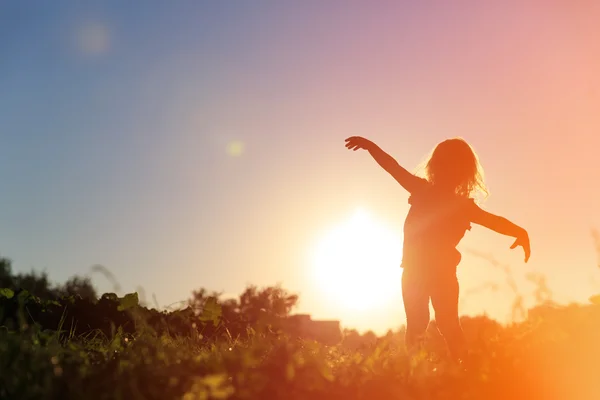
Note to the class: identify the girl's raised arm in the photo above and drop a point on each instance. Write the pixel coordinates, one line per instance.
(407, 180)
(504, 227)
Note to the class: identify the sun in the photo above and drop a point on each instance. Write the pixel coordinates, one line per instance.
(357, 264)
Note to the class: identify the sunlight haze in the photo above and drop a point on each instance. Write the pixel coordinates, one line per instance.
(201, 144)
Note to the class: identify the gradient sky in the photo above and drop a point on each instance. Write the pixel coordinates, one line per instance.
(201, 144)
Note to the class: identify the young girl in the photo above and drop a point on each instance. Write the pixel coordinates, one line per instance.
(442, 210)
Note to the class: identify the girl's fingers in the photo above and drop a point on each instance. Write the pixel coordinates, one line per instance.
(353, 146)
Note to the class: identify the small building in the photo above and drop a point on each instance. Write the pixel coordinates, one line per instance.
(324, 331)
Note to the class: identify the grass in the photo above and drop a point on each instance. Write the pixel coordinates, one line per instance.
(555, 354)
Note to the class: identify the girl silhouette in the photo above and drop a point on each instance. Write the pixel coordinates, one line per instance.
(442, 210)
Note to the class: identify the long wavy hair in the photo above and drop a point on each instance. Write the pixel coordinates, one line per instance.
(454, 165)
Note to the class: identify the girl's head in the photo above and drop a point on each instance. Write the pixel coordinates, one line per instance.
(454, 165)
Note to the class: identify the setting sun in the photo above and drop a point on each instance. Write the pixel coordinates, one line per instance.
(357, 263)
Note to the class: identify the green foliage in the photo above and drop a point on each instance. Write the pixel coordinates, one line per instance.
(128, 301)
(211, 311)
(71, 346)
(6, 292)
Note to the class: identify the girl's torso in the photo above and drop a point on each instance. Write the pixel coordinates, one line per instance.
(435, 224)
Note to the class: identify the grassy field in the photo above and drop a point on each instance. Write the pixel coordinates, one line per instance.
(116, 349)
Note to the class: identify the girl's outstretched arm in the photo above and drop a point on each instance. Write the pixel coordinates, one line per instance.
(408, 181)
(504, 227)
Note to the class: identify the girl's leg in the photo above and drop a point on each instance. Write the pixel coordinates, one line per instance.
(415, 295)
(444, 298)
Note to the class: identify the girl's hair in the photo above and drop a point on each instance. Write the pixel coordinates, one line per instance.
(454, 164)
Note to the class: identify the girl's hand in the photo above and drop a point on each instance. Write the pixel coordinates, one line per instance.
(357, 142)
(523, 240)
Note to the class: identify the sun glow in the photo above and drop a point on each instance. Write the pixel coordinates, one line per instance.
(357, 264)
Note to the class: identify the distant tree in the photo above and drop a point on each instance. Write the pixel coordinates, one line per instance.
(353, 340)
(6, 276)
(36, 283)
(253, 303)
(369, 338)
(254, 307)
(39, 285)
(271, 302)
(78, 285)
